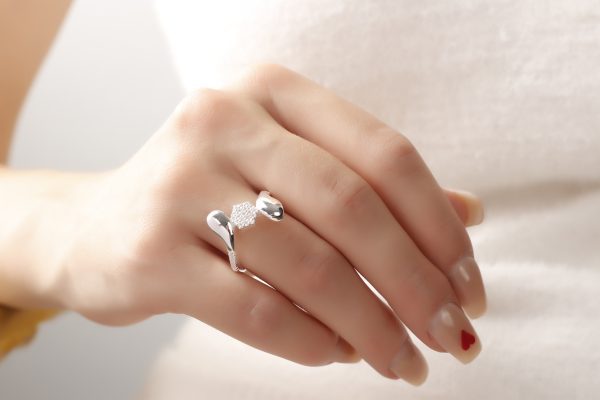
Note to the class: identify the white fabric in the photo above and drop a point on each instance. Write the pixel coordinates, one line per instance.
(502, 98)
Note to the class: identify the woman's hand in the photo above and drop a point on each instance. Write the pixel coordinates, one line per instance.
(357, 196)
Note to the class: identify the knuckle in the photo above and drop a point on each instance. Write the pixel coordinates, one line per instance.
(415, 277)
(269, 77)
(350, 195)
(206, 111)
(395, 153)
(317, 271)
(270, 73)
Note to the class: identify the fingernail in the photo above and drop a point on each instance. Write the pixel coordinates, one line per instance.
(453, 331)
(409, 364)
(475, 213)
(466, 280)
(345, 353)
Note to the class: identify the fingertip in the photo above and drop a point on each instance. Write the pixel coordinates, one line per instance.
(476, 309)
(467, 281)
(410, 365)
(467, 205)
(476, 213)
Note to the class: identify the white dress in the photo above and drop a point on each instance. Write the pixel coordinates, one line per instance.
(502, 98)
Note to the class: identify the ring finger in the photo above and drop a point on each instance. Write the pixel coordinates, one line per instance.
(313, 274)
(205, 288)
(342, 208)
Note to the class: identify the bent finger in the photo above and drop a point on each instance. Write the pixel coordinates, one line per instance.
(335, 203)
(250, 311)
(315, 276)
(381, 156)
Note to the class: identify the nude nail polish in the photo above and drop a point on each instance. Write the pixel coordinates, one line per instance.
(466, 280)
(452, 330)
(474, 208)
(410, 365)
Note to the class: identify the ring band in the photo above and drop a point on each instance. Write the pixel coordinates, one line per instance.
(243, 215)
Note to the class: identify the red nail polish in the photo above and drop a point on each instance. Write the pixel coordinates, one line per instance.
(467, 339)
(451, 328)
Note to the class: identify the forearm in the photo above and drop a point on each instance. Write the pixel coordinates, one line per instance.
(39, 210)
(27, 29)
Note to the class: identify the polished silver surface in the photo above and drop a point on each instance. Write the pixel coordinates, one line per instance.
(220, 224)
(269, 206)
(243, 215)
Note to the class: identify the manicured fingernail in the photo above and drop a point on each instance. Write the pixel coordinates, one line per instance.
(345, 353)
(409, 364)
(453, 331)
(475, 213)
(466, 280)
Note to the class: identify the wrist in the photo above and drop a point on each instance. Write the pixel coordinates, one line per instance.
(43, 211)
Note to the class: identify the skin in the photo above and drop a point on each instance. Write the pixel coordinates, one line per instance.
(22, 50)
(132, 242)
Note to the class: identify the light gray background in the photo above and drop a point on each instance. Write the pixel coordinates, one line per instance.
(105, 88)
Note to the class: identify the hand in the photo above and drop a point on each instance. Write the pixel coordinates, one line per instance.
(357, 196)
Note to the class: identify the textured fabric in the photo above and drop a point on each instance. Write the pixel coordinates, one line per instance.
(501, 98)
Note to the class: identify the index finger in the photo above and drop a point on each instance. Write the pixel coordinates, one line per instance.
(384, 158)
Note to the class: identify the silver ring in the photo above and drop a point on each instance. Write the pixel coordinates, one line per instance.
(243, 215)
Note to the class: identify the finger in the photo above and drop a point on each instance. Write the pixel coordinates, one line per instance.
(467, 206)
(387, 160)
(314, 275)
(236, 304)
(338, 205)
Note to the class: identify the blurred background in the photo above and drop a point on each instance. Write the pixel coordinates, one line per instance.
(502, 98)
(106, 86)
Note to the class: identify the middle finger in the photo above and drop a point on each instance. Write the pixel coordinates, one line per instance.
(341, 207)
(314, 275)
